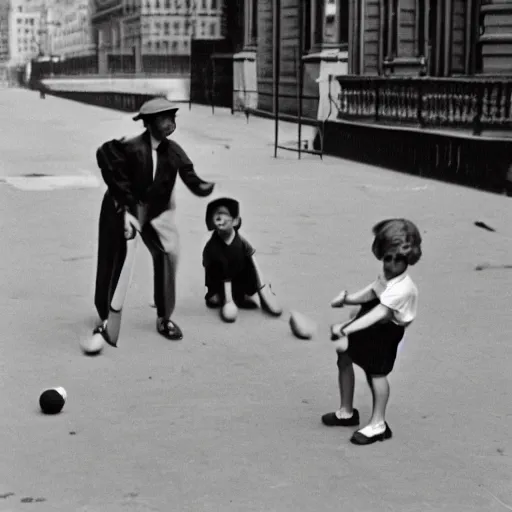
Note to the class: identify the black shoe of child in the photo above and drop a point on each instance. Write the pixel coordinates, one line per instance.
(213, 302)
(169, 329)
(246, 302)
(331, 420)
(360, 439)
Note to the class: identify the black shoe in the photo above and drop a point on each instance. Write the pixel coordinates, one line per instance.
(213, 302)
(101, 329)
(169, 329)
(361, 439)
(331, 420)
(246, 302)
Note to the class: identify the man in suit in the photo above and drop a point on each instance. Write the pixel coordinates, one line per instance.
(140, 174)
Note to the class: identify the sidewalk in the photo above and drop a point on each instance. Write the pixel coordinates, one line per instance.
(229, 419)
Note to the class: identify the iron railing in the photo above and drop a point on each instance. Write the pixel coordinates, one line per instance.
(476, 104)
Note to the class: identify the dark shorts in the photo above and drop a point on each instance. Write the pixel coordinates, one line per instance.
(374, 349)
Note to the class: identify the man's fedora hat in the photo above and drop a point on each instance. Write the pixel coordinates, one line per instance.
(156, 106)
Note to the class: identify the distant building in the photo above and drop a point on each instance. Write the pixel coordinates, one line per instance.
(24, 31)
(4, 30)
(70, 29)
(136, 34)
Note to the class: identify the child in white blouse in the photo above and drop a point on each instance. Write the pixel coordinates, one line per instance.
(388, 306)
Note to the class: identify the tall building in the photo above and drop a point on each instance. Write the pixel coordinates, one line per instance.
(168, 25)
(70, 29)
(146, 30)
(4, 30)
(24, 30)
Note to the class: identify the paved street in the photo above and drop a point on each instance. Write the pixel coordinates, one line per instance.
(228, 420)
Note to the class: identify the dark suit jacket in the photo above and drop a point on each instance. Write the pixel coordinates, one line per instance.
(127, 169)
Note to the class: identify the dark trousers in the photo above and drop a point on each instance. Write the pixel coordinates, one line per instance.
(112, 254)
(245, 282)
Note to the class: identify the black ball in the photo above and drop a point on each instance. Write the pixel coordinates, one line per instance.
(52, 401)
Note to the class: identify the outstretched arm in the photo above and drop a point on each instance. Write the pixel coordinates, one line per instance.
(187, 173)
(257, 270)
(194, 183)
(361, 297)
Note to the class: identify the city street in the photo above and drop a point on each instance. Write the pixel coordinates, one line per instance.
(228, 419)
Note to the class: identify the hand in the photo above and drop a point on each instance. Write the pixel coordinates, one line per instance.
(341, 345)
(206, 188)
(337, 332)
(131, 226)
(339, 301)
(339, 338)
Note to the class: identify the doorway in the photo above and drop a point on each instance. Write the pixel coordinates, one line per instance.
(436, 39)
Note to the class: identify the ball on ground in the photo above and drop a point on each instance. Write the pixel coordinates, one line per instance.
(229, 312)
(302, 327)
(52, 400)
(92, 346)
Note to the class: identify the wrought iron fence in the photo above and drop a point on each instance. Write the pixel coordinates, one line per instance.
(475, 104)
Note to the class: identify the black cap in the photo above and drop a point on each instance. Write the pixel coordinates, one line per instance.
(231, 204)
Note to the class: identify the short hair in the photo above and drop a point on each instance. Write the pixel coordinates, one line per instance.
(400, 236)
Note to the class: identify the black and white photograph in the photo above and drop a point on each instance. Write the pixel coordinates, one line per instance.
(257, 255)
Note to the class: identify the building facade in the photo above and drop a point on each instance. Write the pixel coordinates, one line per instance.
(313, 42)
(24, 31)
(152, 35)
(430, 84)
(431, 37)
(70, 29)
(4, 30)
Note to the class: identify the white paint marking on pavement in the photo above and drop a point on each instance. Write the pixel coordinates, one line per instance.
(52, 182)
(388, 188)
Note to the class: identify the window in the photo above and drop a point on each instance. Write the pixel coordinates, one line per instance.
(404, 29)
(327, 24)
(251, 22)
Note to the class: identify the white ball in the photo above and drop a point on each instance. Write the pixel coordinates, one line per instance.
(229, 312)
(93, 346)
(302, 327)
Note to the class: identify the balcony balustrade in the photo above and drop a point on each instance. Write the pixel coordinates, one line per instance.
(475, 105)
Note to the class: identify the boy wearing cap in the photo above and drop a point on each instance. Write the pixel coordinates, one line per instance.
(140, 174)
(232, 275)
